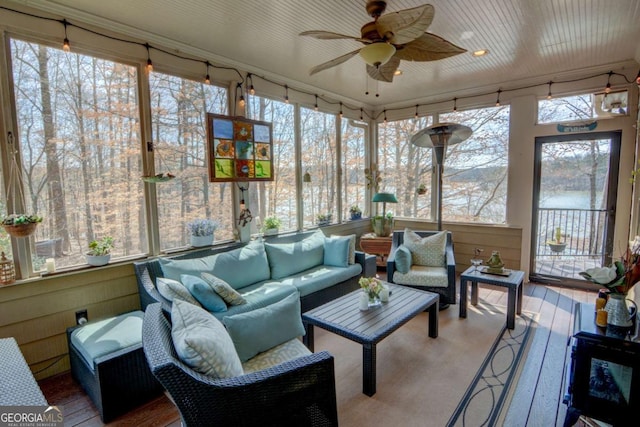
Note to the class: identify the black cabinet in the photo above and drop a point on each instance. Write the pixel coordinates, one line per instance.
(604, 376)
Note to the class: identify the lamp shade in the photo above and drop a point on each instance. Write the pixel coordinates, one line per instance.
(385, 198)
(377, 54)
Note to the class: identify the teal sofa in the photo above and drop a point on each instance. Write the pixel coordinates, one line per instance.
(266, 271)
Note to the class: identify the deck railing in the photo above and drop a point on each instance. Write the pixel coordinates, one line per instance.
(581, 230)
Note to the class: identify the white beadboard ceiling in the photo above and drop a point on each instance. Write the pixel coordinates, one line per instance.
(528, 40)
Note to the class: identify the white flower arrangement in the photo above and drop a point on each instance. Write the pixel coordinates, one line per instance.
(202, 227)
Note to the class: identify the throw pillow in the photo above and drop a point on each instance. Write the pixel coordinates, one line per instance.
(173, 290)
(286, 259)
(202, 342)
(352, 247)
(426, 251)
(222, 288)
(403, 259)
(336, 251)
(204, 293)
(264, 328)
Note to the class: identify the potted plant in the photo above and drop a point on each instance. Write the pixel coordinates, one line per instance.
(323, 219)
(271, 225)
(382, 224)
(421, 189)
(355, 212)
(201, 231)
(557, 245)
(100, 251)
(21, 225)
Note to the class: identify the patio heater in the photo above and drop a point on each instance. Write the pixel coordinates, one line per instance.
(438, 137)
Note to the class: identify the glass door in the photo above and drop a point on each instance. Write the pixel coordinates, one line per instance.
(575, 186)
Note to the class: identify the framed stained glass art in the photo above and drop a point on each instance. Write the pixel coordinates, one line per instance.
(239, 149)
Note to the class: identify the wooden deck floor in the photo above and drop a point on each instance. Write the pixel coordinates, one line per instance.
(537, 400)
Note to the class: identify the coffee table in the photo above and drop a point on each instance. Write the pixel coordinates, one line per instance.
(343, 317)
(513, 282)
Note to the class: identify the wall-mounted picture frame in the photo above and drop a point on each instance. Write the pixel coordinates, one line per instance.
(239, 149)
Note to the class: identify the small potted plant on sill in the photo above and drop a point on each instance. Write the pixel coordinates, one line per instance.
(323, 219)
(271, 225)
(557, 245)
(421, 189)
(355, 212)
(100, 251)
(21, 225)
(202, 232)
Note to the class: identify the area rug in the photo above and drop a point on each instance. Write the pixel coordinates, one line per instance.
(421, 381)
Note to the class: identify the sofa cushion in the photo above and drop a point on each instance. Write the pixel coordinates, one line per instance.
(318, 278)
(403, 259)
(222, 288)
(427, 251)
(239, 267)
(259, 330)
(290, 350)
(202, 342)
(204, 293)
(286, 259)
(352, 247)
(173, 289)
(336, 251)
(259, 295)
(435, 277)
(96, 339)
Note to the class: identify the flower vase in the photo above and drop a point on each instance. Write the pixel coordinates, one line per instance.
(201, 241)
(374, 301)
(617, 311)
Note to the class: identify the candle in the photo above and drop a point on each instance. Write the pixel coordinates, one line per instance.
(601, 318)
(384, 294)
(364, 302)
(50, 265)
(600, 302)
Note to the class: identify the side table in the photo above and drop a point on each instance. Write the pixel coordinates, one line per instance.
(378, 246)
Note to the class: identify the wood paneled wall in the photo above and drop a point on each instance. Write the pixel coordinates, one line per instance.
(39, 311)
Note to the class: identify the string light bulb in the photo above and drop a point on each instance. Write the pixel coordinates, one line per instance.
(207, 77)
(385, 116)
(252, 90)
(340, 109)
(149, 62)
(607, 88)
(66, 46)
(455, 104)
(315, 106)
(549, 93)
(286, 94)
(498, 99)
(361, 114)
(416, 115)
(241, 101)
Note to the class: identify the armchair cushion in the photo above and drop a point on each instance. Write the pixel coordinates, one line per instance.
(426, 251)
(285, 352)
(204, 293)
(433, 277)
(261, 329)
(202, 342)
(222, 288)
(173, 290)
(336, 251)
(403, 259)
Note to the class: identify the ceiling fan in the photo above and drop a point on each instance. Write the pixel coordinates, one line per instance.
(390, 38)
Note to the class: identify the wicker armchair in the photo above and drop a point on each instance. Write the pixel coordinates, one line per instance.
(300, 392)
(447, 293)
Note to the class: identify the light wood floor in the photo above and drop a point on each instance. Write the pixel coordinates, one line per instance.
(537, 400)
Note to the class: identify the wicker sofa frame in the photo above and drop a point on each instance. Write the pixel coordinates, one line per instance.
(448, 293)
(300, 392)
(147, 272)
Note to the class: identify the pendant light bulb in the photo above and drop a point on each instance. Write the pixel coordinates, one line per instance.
(66, 47)
(242, 101)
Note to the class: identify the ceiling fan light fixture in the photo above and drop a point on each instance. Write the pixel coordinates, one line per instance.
(376, 54)
(480, 52)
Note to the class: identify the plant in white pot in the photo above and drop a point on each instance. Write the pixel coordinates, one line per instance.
(100, 251)
(271, 225)
(201, 231)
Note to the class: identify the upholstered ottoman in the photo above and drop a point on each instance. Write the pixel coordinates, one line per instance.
(108, 361)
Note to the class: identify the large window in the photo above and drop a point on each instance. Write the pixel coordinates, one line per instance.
(403, 167)
(79, 146)
(276, 198)
(319, 157)
(179, 132)
(353, 165)
(475, 171)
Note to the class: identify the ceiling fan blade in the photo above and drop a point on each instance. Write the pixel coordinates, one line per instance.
(406, 25)
(336, 61)
(428, 47)
(328, 35)
(384, 72)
